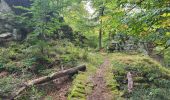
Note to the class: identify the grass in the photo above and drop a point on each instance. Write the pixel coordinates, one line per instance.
(25, 62)
(151, 80)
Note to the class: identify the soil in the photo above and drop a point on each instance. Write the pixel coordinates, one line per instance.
(3, 74)
(100, 90)
(59, 89)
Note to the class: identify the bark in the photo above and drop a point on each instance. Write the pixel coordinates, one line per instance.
(130, 82)
(44, 79)
(100, 36)
(101, 30)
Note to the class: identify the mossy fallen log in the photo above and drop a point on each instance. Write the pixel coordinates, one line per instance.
(45, 79)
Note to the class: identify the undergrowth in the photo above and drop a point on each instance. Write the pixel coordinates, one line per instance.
(7, 85)
(26, 61)
(151, 80)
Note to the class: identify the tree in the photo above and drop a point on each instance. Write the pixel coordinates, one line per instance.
(46, 16)
(109, 15)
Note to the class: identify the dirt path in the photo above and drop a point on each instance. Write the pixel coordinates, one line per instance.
(100, 90)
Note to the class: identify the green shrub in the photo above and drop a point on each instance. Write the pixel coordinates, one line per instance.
(33, 93)
(167, 58)
(1, 67)
(36, 64)
(150, 94)
(8, 85)
(12, 67)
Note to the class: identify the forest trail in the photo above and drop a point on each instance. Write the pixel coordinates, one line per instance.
(59, 91)
(100, 90)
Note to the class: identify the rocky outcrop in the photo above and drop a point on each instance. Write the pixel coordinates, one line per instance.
(4, 7)
(8, 6)
(10, 29)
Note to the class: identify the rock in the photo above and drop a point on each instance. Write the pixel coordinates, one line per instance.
(5, 35)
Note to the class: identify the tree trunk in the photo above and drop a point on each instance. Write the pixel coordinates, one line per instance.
(109, 37)
(100, 36)
(100, 30)
(44, 79)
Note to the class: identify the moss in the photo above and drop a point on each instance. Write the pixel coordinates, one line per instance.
(81, 85)
(78, 94)
(112, 83)
(147, 73)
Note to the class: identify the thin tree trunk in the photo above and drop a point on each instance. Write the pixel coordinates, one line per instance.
(100, 36)
(101, 22)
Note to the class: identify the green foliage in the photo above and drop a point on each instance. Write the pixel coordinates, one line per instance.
(149, 76)
(1, 67)
(33, 93)
(36, 64)
(8, 85)
(167, 57)
(10, 58)
(150, 94)
(17, 57)
(70, 54)
(76, 17)
(12, 67)
(144, 20)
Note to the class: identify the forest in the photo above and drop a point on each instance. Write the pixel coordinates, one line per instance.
(84, 49)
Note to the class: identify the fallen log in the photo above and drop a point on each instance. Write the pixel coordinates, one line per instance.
(5, 35)
(44, 79)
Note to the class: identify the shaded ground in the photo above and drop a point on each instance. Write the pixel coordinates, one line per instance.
(100, 90)
(59, 89)
(3, 74)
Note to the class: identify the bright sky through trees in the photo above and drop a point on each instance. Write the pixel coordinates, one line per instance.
(89, 7)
